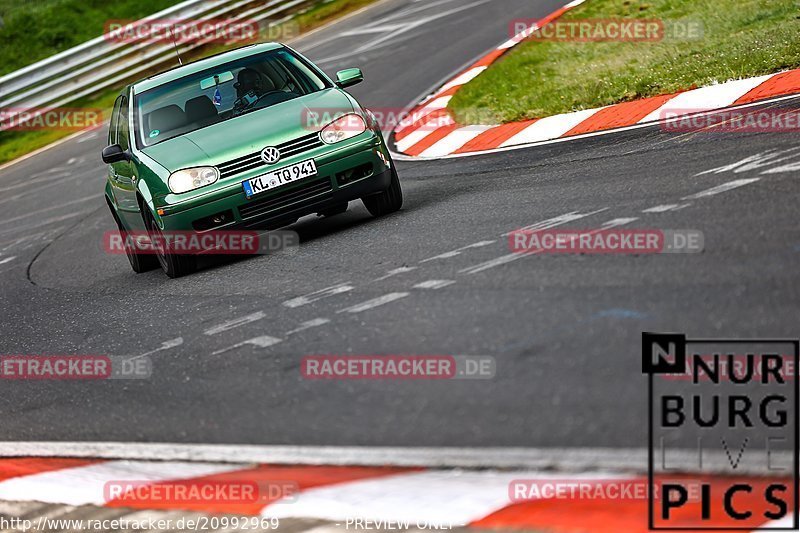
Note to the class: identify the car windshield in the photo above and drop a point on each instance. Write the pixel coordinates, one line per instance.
(224, 92)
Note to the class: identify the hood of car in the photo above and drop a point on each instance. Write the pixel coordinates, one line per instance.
(251, 132)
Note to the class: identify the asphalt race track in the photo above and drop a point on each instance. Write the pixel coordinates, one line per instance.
(565, 330)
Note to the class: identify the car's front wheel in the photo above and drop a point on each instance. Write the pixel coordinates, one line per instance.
(139, 262)
(388, 201)
(174, 265)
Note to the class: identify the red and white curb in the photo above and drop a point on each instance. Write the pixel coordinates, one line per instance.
(433, 497)
(430, 131)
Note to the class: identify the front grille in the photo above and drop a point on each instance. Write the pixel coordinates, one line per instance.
(253, 161)
(289, 199)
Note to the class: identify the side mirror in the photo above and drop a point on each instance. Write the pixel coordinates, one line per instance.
(115, 154)
(349, 77)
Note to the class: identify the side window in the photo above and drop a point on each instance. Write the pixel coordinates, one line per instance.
(112, 128)
(122, 125)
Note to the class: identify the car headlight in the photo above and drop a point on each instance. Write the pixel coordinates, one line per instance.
(343, 128)
(190, 179)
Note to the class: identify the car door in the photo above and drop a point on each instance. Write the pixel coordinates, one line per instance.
(112, 139)
(123, 173)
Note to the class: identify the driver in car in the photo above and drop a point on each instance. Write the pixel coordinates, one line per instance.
(249, 80)
(252, 87)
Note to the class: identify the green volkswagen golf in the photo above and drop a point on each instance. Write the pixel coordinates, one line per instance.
(251, 139)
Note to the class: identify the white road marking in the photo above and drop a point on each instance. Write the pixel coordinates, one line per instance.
(395, 272)
(84, 485)
(454, 253)
(434, 284)
(428, 126)
(32, 181)
(778, 525)
(166, 345)
(438, 499)
(616, 222)
(29, 192)
(375, 302)
(754, 162)
(88, 138)
(660, 208)
(264, 341)
(411, 25)
(550, 127)
(486, 265)
(706, 98)
(461, 79)
(309, 324)
(46, 222)
(235, 323)
(665, 208)
(49, 209)
(454, 140)
(31, 239)
(558, 221)
(404, 13)
(7, 260)
(532, 28)
(384, 40)
(372, 29)
(722, 188)
(403, 157)
(791, 167)
(318, 295)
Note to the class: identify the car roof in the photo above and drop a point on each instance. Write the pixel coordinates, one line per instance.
(202, 64)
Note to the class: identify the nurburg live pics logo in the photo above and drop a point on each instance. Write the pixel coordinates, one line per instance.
(735, 431)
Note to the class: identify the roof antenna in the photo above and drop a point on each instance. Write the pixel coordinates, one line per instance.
(175, 43)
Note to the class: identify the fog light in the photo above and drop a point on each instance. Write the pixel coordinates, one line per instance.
(213, 221)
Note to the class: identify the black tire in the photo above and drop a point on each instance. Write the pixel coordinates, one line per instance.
(388, 201)
(140, 263)
(173, 265)
(335, 210)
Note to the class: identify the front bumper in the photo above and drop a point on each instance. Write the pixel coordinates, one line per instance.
(351, 175)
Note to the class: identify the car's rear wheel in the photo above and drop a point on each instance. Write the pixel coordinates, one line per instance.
(388, 201)
(174, 265)
(139, 262)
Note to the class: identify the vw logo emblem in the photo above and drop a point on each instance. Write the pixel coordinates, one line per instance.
(270, 155)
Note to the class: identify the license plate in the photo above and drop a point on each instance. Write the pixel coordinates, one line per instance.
(279, 177)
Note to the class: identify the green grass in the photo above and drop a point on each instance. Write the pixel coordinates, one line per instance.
(32, 31)
(14, 144)
(742, 38)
